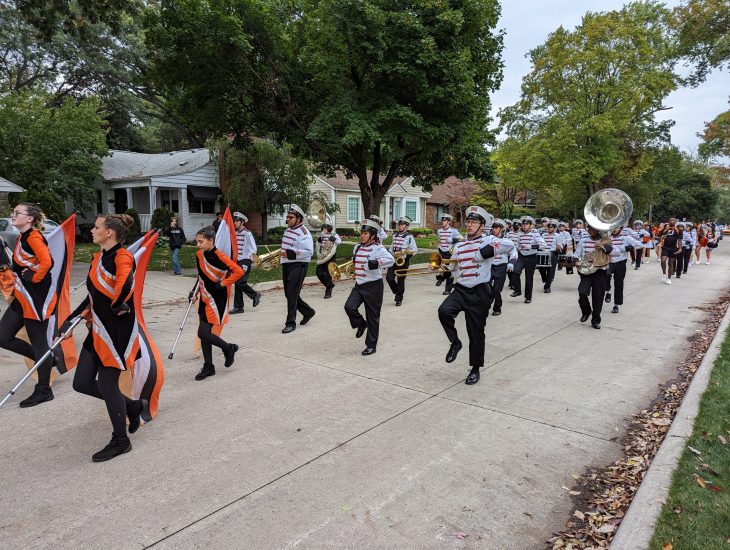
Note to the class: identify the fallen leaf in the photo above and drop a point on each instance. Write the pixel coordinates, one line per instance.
(695, 451)
(574, 493)
(461, 536)
(667, 546)
(576, 476)
(607, 529)
(580, 515)
(716, 488)
(722, 439)
(701, 482)
(661, 422)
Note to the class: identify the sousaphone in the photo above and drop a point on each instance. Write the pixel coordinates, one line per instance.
(604, 211)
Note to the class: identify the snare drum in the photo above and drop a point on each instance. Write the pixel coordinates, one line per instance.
(543, 258)
(565, 260)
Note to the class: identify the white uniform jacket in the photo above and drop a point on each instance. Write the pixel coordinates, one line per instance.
(298, 244)
(447, 238)
(246, 244)
(528, 241)
(619, 243)
(403, 241)
(369, 261)
(474, 258)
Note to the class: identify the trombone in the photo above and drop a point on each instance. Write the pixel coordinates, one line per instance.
(267, 261)
(346, 270)
(435, 265)
(401, 256)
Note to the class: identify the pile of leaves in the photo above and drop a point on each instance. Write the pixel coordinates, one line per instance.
(603, 496)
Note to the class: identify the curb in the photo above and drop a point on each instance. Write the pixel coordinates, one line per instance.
(637, 527)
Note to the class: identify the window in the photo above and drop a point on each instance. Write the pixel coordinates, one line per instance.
(440, 211)
(198, 206)
(411, 208)
(169, 200)
(99, 204)
(353, 209)
(396, 209)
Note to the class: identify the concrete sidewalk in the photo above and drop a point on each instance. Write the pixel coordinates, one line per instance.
(305, 443)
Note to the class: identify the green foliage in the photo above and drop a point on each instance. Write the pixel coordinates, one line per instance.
(278, 231)
(52, 152)
(161, 218)
(716, 137)
(136, 230)
(421, 231)
(691, 196)
(585, 120)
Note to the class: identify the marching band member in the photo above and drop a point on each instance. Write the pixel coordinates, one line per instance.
(472, 292)
(369, 258)
(501, 265)
(547, 274)
(689, 242)
(216, 273)
(670, 241)
(31, 265)
(564, 238)
(328, 235)
(544, 222)
(246, 249)
(382, 234)
(403, 243)
(112, 345)
(296, 252)
(448, 237)
(530, 242)
(513, 234)
(594, 283)
(644, 237)
(621, 244)
(578, 232)
(685, 237)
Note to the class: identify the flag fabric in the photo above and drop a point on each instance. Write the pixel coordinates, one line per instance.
(226, 242)
(147, 374)
(61, 243)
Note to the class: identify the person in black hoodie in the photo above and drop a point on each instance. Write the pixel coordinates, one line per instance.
(177, 238)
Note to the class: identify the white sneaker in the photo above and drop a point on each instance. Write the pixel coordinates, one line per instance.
(664, 278)
(669, 281)
(707, 263)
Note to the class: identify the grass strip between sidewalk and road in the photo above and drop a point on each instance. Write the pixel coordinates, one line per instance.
(696, 515)
(162, 259)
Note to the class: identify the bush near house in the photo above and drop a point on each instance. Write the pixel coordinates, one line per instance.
(136, 229)
(161, 218)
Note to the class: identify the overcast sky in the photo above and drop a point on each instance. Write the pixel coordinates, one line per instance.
(527, 24)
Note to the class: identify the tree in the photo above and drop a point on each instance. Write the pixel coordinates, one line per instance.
(381, 85)
(716, 137)
(53, 152)
(264, 178)
(586, 112)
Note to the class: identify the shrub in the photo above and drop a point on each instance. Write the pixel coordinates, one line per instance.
(161, 218)
(421, 231)
(277, 231)
(84, 235)
(136, 229)
(346, 232)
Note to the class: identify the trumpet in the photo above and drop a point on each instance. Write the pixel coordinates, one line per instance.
(401, 256)
(267, 261)
(435, 264)
(346, 270)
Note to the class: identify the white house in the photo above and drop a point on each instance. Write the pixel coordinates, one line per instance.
(186, 182)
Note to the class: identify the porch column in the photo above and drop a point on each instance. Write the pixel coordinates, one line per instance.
(130, 200)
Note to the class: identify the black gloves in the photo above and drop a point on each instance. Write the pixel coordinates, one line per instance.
(535, 246)
(319, 239)
(487, 251)
(291, 255)
(455, 240)
(65, 325)
(27, 275)
(607, 248)
(120, 309)
(629, 247)
(333, 238)
(219, 285)
(373, 264)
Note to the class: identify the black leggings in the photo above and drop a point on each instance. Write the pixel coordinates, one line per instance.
(10, 324)
(208, 340)
(106, 387)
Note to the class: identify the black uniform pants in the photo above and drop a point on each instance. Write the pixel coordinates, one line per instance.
(323, 274)
(499, 274)
(639, 257)
(94, 379)
(208, 340)
(547, 274)
(397, 284)
(595, 286)
(617, 271)
(446, 276)
(294, 274)
(370, 294)
(474, 302)
(10, 324)
(242, 287)
(687, 257)
(526, 263)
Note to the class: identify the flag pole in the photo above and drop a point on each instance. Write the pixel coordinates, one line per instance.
(39, 362)
(182, 325)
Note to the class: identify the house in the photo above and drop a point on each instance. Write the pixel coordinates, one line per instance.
(451, 197)
(402, 199)
(5, 188)
(186, 182)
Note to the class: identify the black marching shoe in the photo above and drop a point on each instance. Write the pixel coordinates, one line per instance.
(40, 395)
(207, 370)
(446, 292)
(615, 309)
(497, 312)
(235, 310)
(595, 325)
(516, 293)
(528, 301)
(328, 294)
(230, 353)
(454, 351)
(607, 299)
(256, 299)
(439, 281)
(288, 328)
(584, 318)
(368, 351)
(307, 317)
(547, 290)
(138, 409)
(361, 330)
(473, 377)
(398, 302)
(117, 446)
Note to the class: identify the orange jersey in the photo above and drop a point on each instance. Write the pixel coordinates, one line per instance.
(110, 283)
(35, 295)
(216, 273)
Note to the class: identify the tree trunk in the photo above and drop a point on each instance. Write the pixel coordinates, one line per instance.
(264, 228)
(372, 195)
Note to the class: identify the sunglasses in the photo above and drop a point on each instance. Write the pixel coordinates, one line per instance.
(288, 218)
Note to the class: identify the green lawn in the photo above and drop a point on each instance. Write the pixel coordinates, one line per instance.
(162, 259)
(696, 515)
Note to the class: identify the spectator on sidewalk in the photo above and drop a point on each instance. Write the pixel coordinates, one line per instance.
(177, 238)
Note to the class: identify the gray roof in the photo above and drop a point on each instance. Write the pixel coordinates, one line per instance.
(9, 187)
(125, 165)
